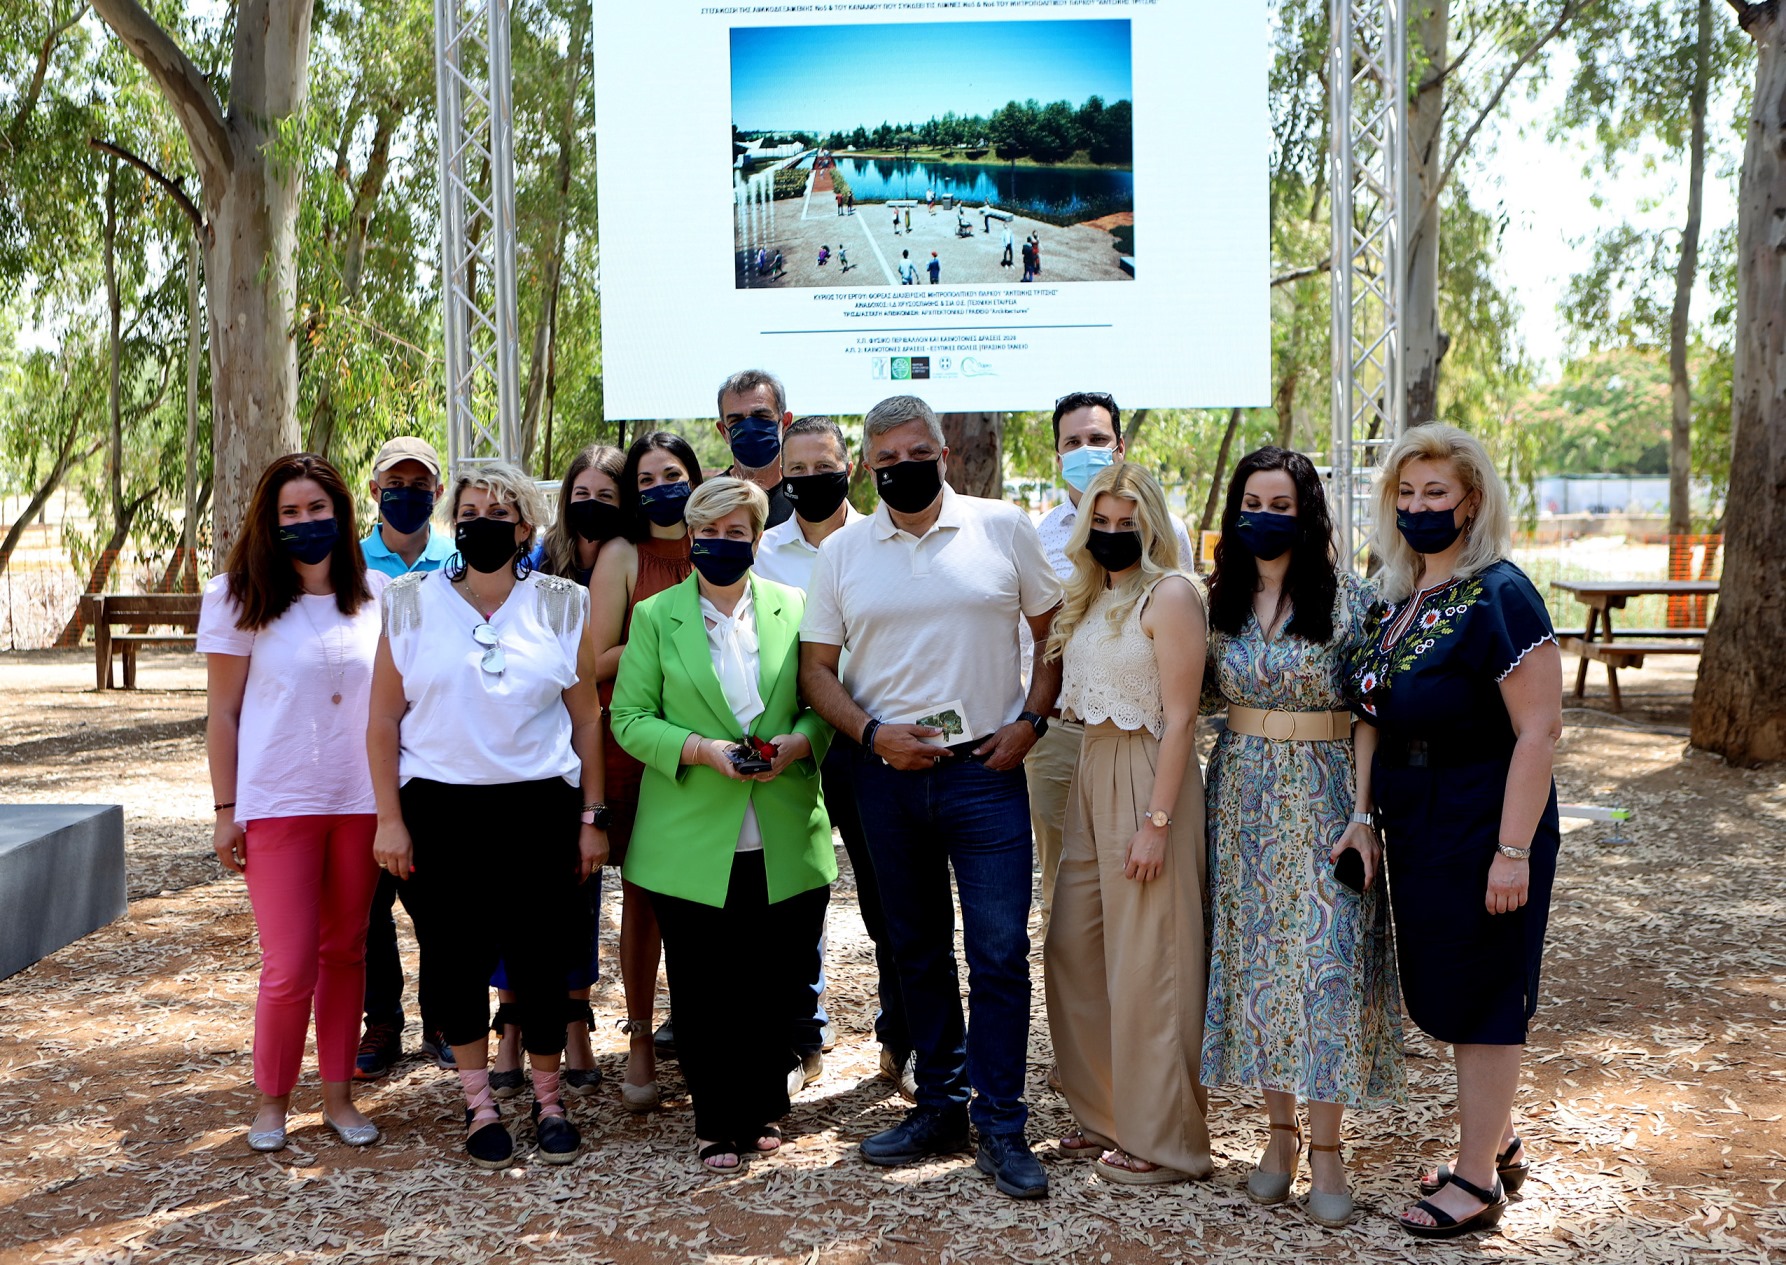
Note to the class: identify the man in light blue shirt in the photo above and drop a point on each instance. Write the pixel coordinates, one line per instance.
(406, 483)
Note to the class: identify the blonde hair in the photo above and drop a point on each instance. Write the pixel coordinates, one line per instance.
(1159, 550)
(507, 485)
(716, 498)
(1488, 533)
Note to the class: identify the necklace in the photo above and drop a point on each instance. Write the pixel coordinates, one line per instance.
(340, 669)
(481, 604)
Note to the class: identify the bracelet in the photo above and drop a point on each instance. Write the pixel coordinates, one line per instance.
(1363, 819)
(590, 808)
(217, 808)
(868, 732)
(1517, 854)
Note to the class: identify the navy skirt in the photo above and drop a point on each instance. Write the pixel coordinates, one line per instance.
(1469, 977)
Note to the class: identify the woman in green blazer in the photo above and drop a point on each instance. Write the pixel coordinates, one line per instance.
(738, 862)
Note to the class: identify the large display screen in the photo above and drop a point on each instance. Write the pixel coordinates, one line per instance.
(989, 203)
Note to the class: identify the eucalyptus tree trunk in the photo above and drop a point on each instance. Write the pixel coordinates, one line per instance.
(976, 465)
(1424, 343)
(250, 183)
(194, 339)
(1739, 710)
(1680, 440)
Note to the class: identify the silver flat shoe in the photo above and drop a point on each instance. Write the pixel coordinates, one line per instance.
(266, 1139)
(354, 1134)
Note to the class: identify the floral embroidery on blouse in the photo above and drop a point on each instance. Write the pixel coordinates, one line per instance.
(1396, 637)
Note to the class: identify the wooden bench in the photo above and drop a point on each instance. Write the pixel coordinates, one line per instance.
(1628, 653)
(139, 610)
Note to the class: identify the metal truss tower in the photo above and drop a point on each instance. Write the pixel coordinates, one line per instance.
(1368, 124)
(477, 229)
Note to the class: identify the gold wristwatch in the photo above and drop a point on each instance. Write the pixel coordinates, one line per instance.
(1159, 818)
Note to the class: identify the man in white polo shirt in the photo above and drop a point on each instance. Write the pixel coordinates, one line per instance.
(926, 595)
(815, 463)
(1087, 437)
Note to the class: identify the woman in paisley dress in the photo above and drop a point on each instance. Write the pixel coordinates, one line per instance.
(1302, 990)
(1126, 954)
(1461, 680)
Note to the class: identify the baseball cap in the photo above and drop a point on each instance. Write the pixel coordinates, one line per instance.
(406, 448)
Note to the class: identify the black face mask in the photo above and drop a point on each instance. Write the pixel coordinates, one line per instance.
(1428, 531)
(910, 486)
(1114, 550)
(486, 544)
(310, 541)
(405, 508)
(595, 520)
(1265, 535)
(815, 497)
(720, 561)
(665, 503)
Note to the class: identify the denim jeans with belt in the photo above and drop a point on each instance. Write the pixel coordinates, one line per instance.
(964, 815)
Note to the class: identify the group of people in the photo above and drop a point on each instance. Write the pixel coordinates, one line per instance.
(697, 679)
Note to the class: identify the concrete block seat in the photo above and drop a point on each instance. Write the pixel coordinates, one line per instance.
(61, 877)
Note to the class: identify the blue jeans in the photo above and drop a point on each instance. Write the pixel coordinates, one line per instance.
(919, 825)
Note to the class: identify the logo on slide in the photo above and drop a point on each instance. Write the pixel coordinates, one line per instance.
(902, 368)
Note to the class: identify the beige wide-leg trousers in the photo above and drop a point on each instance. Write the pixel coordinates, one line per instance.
(1127, 962)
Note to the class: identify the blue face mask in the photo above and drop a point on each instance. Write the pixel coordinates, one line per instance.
(720, 561)
(405, 508)
(664, 503)
(1266, 535)
(1428, 531)
(755, 441)
(310, 541)
(1081, 466)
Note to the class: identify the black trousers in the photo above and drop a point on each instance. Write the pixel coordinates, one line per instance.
(736, 973)
(384, 965)
(465, 837)
(838, 772)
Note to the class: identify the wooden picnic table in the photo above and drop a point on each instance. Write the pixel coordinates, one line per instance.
(1616, 650)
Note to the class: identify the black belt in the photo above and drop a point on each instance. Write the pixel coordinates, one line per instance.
(965, 750)
(1428, 753)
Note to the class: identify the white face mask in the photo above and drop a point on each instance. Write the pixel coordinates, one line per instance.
(1081, 466)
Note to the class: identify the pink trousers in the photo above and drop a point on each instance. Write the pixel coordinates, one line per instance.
(310, 880)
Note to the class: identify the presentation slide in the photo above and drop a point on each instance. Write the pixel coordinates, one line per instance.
(987, 203)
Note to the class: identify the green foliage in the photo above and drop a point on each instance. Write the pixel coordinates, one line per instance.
(790, 182)
(1019, 129)
(1607, 414)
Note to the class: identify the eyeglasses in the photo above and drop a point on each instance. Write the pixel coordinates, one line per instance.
(493, 661)
(1103, 398)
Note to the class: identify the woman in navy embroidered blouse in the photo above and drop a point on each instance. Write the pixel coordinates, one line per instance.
(1460, 679)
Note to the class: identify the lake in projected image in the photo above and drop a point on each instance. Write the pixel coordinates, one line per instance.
(1075, 193)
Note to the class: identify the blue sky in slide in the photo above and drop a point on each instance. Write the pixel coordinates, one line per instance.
(840, 77)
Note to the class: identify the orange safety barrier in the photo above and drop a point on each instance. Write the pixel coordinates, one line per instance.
(1692, 557)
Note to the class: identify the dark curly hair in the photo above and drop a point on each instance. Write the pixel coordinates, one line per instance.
(1313, 579)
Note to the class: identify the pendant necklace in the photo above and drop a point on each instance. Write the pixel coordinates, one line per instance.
(338, 669)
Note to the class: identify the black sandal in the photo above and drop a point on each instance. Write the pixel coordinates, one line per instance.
(716, 1149)
(1512, 1175)
(767, 1131)
(1446, 1226)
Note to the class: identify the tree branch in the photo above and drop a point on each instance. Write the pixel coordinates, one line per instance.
(168, 184)
(1568, 14)
(28, 101)
(1748, 14)
(1299, 274)
(187, 91)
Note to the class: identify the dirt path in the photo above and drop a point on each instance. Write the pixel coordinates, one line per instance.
(1653, 1099)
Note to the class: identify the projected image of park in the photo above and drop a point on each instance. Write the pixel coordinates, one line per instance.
(949, 153)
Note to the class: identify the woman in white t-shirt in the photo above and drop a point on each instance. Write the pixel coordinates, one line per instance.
(289, 631)
(484, 723)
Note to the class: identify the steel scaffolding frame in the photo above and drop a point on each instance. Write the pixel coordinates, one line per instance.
(475, 101)
(1368, 126)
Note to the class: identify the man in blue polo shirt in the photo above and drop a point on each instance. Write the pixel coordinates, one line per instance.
(406, 483)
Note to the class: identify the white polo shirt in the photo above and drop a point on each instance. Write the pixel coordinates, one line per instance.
(932, 619)
(786, 556)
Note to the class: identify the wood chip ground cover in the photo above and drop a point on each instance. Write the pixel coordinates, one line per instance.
(1654, 1092)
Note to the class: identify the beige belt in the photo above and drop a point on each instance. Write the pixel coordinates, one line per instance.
(1281, 726)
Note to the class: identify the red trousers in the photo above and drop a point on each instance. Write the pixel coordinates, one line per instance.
(310, 880)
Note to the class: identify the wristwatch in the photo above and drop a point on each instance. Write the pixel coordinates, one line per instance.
(597, 815)
(1160, 818)
(1363, 819)
(1518, 854)
(1037, 722)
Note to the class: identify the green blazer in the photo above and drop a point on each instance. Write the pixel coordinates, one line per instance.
(689, 816)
